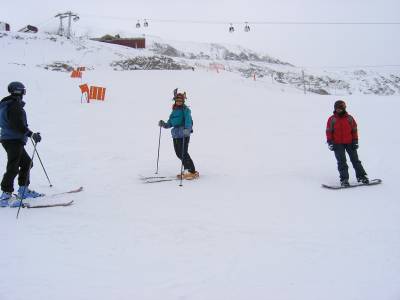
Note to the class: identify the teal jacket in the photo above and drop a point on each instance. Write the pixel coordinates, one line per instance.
(179, 119)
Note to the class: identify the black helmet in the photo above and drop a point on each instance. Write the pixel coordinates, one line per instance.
(16, 88)
(340, 104)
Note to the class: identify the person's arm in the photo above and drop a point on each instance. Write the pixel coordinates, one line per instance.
(188, 119)
(329, 130)
(17, 120)
(354, 131)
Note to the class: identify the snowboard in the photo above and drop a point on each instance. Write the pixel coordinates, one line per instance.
(339, 187)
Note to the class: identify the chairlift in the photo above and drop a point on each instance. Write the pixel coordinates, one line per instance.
(138, 24)
(231, 28)
(247, 27)
(145, 24)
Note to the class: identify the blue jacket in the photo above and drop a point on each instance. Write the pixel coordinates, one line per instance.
(13, 121)
(180, 118)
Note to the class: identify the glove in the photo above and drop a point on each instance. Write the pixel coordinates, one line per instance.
(354, 145)
(331, 146)
(36, 137)
(161, 123)
(186, 132)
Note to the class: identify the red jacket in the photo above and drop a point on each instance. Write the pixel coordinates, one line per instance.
(341, 129)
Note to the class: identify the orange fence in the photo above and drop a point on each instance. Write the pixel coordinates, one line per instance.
(76, 74)
(93, 93)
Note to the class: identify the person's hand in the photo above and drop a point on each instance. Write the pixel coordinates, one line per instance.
(161, 123)
(186, 132)
(36, 137)
(354, 145)
(331, 146)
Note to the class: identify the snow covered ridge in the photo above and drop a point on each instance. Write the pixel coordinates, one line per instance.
(57, 53)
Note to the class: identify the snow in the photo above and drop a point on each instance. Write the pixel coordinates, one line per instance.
(256, 225)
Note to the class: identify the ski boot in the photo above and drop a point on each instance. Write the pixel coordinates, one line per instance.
(24, 192)
(344, 183)
(363, 179)
(188, 175)
(15, 202)
(191, 176)
(4, 199)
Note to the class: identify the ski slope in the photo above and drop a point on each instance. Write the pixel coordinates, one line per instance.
(256, 225)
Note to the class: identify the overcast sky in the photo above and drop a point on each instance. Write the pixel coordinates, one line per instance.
(305, 45)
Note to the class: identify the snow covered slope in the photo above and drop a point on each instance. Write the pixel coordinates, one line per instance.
(58, 53)
(256, 225)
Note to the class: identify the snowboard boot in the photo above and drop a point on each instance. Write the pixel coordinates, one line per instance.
(4, 199)
(24, 192)
(344, 183)
(364, 179)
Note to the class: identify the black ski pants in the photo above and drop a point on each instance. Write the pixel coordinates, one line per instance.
(18, 162)
(187, 160)
(340, 154)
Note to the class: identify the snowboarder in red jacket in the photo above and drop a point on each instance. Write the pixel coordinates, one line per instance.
(342, 137)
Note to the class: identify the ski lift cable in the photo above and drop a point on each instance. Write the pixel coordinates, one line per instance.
(255, 22)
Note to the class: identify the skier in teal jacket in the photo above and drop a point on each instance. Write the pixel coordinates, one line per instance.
(181, 122)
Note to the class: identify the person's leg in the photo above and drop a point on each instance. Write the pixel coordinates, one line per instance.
(187, 160)
(343, 168)
(25, 163)
(178, 147)
(360, 172)
(14, 152)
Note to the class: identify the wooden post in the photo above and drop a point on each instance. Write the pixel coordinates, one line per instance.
(304, 81)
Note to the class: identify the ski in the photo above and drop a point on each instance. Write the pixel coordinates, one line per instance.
(30, 202)
(338, 187)
(28, 205)
(43, 196)
(80, 189)
(156, 177)
(160, 180)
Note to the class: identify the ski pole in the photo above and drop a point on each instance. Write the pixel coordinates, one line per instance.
(44, 169)
(158, 153)
(27, 179)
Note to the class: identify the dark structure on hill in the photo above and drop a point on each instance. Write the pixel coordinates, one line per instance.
(137, 43)
(4, 26)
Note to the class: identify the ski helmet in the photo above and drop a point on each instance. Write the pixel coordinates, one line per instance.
(340, 104)
(16, 88)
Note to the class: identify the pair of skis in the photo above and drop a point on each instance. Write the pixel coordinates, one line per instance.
(154, 179)
(53, 196)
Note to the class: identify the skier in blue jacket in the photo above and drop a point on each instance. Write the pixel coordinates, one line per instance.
(181, 122)
(13, 136)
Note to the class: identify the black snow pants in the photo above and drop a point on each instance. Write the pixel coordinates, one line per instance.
(187, 160)
(18, 162)
(340, 154)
